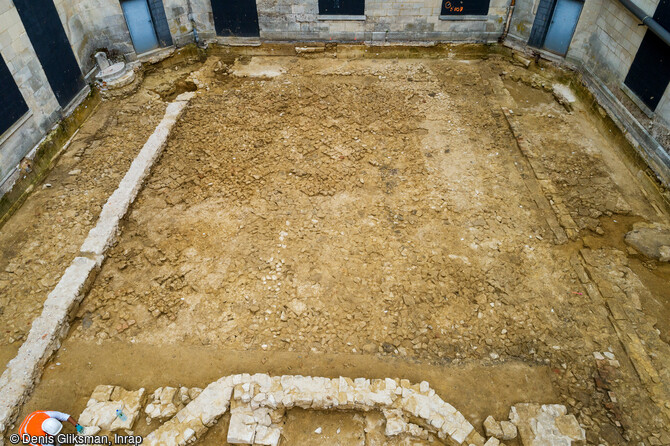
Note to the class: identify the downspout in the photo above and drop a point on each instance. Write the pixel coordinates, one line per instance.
(507, 22)
(190, 18)
(652, 24)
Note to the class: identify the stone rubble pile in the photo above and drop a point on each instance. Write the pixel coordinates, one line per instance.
(101, 409)
(165, 402)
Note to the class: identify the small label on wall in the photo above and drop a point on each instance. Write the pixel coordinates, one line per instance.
(465, 7)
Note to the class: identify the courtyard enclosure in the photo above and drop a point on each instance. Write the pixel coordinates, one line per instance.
(625, 64)
(346, 222)
(341, 213)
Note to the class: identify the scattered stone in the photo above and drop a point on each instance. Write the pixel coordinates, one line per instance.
(509, 431)
(492, 427)
(493, 441)
(652, 240)
(564, 96)
(547, 424)
(521, 60)
(297, 307)
(370, 348)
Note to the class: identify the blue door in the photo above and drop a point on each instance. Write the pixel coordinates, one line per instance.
(562, 27)
(140, 25)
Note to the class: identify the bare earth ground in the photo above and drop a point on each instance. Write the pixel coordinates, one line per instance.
(43, 237)
(381, 210)
(45, 234)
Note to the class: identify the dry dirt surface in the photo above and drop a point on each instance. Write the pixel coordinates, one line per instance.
(41, 239)
(389, 208)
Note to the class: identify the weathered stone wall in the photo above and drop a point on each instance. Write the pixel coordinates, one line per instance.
(183, 14)
(91, 25)
(411, 20)
(20, 57)
(605, 42)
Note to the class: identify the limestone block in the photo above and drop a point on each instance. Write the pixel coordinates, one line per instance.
(395, 422)
(492, 442)
(411, 405)
(167, 395)
(189, 434)
(437, 421)
(564, 96)
(185, 97)
(88, 431)
(244, 391)
(242, 427)
(652, 240)
(569, 426)
(548, 424)
(262, 416)
(166, 402)
(277, 415)
(132, 400)
(105, 401)
(474, 439)
(492, 428)
(508, 430)
(213, 402)
(417, 431)
(101, 393)
(263, 381)
(267, 435)
(194, 392)
(100, 414)
(462, 432)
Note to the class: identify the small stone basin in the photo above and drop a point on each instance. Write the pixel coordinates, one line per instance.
(112, 72)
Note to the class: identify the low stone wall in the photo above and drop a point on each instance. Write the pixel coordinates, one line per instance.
(47, 331)
(417, 402)
(257, 404)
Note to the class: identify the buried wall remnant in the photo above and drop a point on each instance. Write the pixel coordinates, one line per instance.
(258, 403)
(50, 328)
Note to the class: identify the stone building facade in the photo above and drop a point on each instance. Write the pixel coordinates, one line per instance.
(605, 41)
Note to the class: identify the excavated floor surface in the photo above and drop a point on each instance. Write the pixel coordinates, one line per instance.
(363, 217)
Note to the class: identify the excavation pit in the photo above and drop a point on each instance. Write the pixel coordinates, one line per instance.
(445, 218)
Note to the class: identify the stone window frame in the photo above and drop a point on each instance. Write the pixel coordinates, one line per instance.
(473, 18)
(341, 17)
